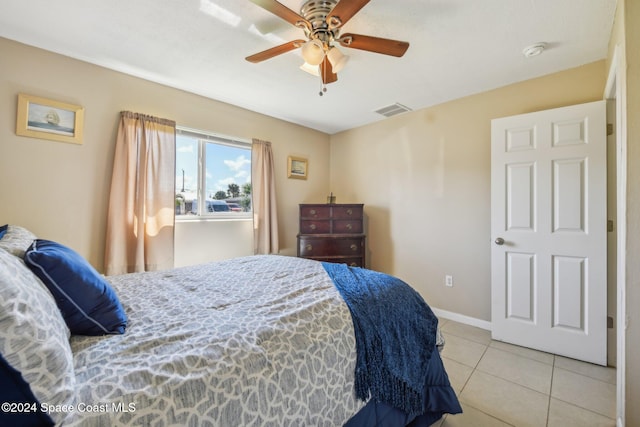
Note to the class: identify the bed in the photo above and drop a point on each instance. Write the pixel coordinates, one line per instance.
(253, 341)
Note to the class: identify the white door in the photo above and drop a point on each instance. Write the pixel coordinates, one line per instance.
(548, 226)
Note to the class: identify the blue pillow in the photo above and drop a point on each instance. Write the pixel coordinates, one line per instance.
(15, 390)
(88, 303)
(3, 230)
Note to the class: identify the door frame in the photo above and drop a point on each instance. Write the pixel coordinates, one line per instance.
(615, 89)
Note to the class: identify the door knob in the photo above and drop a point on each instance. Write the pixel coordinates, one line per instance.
(499, 241)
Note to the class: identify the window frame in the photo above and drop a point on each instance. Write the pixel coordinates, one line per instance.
(203, 138)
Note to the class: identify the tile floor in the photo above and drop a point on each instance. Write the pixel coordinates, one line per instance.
(500, 384)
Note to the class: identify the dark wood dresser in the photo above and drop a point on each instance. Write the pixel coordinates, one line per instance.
(332, 233)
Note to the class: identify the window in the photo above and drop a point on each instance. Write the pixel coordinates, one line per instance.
(214, 169)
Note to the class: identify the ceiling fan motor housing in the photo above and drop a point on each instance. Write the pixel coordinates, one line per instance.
(316, 12)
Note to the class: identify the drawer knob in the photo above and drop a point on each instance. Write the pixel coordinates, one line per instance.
(354, 247)
(349, 226)
(312, 226)
(308, 247)
(349, 211)
(312, 211)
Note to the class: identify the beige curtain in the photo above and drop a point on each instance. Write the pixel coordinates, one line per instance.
(141, 214)
(263, 189)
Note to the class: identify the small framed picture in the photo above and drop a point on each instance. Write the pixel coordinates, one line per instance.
(47, 119)
(297, 167)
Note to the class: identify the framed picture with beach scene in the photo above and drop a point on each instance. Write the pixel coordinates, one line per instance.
(47, 119)
(297, 167)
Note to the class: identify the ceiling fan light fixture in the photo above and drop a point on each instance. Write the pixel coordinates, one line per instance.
(313, 52)
(338, 59)
(311, 69)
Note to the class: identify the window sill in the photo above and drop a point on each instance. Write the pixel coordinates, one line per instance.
(216, 218)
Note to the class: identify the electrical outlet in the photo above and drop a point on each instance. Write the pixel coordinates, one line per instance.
(448, 281)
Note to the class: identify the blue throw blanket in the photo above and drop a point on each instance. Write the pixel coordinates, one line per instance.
(395, 334)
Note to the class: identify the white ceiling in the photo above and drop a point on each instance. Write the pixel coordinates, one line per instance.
(458, 47)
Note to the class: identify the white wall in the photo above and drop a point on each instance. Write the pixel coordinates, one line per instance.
(212, 240)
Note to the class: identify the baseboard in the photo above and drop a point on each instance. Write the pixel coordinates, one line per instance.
(461, 318)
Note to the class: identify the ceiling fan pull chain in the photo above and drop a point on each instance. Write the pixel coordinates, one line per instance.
(323, 79)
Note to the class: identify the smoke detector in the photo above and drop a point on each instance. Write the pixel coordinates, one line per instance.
(534, 50)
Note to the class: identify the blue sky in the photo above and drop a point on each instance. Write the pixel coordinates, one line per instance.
(225, 165)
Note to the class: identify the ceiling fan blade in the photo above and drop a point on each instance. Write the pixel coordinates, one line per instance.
(326, 72)
(275, 51)
(344, 10)
(282, 11)
(374, 44)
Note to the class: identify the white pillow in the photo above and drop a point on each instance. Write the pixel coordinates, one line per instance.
(16, 240)
(34, 338)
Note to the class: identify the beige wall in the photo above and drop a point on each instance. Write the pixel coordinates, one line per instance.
(60, 191)
(424, 177)
(632, 36)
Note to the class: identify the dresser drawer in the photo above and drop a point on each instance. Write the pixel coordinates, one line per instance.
(315, 212)
(323, 246)
(347, 226)
(308, 226)
(347, 212)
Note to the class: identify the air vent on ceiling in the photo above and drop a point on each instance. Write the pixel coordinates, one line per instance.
(392, 110)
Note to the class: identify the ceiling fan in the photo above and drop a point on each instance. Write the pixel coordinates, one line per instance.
(321, 21)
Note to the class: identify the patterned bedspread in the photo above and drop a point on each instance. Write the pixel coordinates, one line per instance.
(254, 341)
